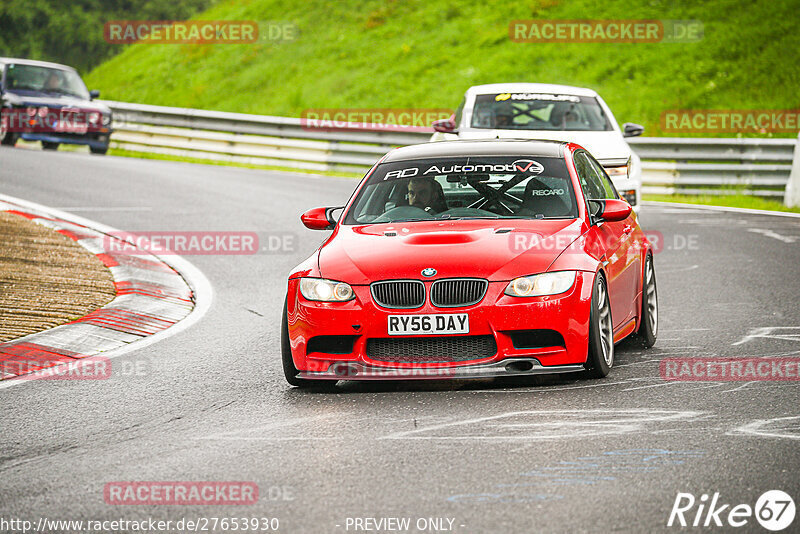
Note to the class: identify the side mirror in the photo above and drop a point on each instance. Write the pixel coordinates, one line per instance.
(319, 218)
(630, 129)
(445, 125)
(611, 210)
(94, 93)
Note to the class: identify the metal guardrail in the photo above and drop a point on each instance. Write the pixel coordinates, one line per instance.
(670, 165)
(685, 165)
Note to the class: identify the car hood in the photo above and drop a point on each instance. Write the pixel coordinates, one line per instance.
(29, 98)
(498, 250)
(602, 145)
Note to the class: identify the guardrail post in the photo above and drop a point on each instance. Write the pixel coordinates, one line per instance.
(792, 197)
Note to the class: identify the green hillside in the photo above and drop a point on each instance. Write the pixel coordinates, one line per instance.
(424, 54)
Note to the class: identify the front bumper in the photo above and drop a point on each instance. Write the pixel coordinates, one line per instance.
(94, 140)
(497, 315)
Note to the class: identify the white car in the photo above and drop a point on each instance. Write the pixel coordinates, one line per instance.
(557, 112)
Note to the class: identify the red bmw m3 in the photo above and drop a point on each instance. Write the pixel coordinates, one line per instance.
(470, 259)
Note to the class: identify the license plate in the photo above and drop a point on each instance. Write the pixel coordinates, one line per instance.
(439, 323)
(71, 127)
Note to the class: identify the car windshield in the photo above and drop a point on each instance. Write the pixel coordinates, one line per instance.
(475, 187)
(538, 111)
(20, 77)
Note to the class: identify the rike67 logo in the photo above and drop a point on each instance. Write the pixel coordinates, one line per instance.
(774, 510)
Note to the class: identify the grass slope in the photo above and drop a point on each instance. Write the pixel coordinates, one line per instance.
(425, 53)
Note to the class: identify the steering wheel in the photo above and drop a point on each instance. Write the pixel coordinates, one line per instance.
(403, 212)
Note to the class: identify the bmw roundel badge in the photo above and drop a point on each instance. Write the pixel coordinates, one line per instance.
(429, 271)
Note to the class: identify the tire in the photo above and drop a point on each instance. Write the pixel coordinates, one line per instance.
(100, 151)
(289, 370)
(6, 138)
(601, 332)
(648, 329)
(46, 145)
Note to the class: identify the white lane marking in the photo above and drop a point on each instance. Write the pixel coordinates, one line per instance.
(635, 363)
(685, 329)
(303, 427)
(773, 235)
(720, 208)
(234, 434)
(683, 211)
(785, 333)
(562, 424)
(779, 427)
(109, 208)
(196, 280)
(678, 270)
(743, 386)
(669, 383)
(544, 389)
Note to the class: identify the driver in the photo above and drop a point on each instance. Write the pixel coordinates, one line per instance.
(53, 82)
(503, 120)
(423, 193)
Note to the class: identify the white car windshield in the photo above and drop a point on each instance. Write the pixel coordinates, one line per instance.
(538, 111)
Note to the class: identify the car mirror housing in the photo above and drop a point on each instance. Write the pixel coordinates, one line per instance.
(94, 93)
(319, 218)
(630, 129)
(445, 125)
(612, 210)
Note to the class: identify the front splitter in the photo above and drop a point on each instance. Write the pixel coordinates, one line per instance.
(507, 367)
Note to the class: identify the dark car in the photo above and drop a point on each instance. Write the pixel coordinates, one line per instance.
(49, 102)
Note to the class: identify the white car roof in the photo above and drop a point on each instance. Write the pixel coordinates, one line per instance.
(35, 63)
(493, 88)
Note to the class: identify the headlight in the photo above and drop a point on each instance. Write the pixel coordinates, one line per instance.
(31, 111)
(629, 195)
(94, 117)
(43, 111)
(326, 290)
(106, 120)
(538, 285)
(617, 171)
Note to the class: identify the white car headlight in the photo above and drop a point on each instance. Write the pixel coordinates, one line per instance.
(618, 171)
(326, 290)
(538, 285)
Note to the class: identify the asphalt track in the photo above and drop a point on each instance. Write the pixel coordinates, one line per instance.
(560, 454)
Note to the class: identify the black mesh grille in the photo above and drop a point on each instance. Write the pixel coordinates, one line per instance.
(399, 293)
(431, 349)
(457, 292)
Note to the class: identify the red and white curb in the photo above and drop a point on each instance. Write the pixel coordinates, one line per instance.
(156, 297)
